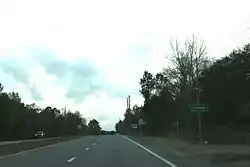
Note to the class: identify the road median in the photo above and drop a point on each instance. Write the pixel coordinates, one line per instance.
(12, 147)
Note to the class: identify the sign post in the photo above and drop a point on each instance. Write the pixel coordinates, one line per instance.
(134, 127)
(141, 123)
(176, 123)
(199, 108)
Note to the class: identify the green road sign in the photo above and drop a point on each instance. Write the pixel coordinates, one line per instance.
(201, 107)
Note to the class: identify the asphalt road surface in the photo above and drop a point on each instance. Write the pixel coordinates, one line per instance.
(89, 151)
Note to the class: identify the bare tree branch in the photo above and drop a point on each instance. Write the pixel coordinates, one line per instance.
(188, 63)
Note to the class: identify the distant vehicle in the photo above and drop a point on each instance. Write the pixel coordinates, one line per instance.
(40, 134)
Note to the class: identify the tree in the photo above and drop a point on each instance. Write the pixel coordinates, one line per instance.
(188, 63)
(120, 128)
(226, 87)
(158, 104)
(1, 88)
(147, 83)
(15, 96)
(193, 77)
(94, 127)
(21, 121)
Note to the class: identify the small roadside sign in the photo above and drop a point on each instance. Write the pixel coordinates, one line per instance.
(134, 126)
(141, 122)
(79, 126)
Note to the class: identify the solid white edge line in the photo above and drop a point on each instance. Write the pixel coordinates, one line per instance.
(152, 153)
(71, 159)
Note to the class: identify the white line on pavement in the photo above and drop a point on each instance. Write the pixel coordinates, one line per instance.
(151, 152)
(86, 149)
(71, 159)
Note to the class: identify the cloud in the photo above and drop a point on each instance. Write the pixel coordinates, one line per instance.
(103, 117)
(84, 80)
(50, 61)
(36, 94)
(79, 77)
(92, 56)
(18, 71)
(13, 68)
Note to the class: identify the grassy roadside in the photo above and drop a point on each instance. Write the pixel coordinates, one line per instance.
(215, 155)
(186, 148)
(8, 149)
(220, 155)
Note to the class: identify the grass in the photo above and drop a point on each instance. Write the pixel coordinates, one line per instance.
(217, 155)
(28, 145)
(231, 160)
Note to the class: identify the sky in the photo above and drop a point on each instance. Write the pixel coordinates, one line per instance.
(89, 55)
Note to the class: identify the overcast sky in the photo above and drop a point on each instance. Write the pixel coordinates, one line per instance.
(89, 55)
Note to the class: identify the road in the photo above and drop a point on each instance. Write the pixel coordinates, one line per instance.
(89, 151)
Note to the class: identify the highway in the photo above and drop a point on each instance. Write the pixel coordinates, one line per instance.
(89, 151)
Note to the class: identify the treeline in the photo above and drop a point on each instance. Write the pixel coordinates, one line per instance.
(21, 121)
(192, 77)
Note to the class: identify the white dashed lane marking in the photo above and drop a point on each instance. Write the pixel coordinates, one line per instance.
(71, 159)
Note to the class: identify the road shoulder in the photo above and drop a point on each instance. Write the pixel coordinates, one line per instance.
(168, 151)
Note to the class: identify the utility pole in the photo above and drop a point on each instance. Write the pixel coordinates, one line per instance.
(129, 100)
(129, 114)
